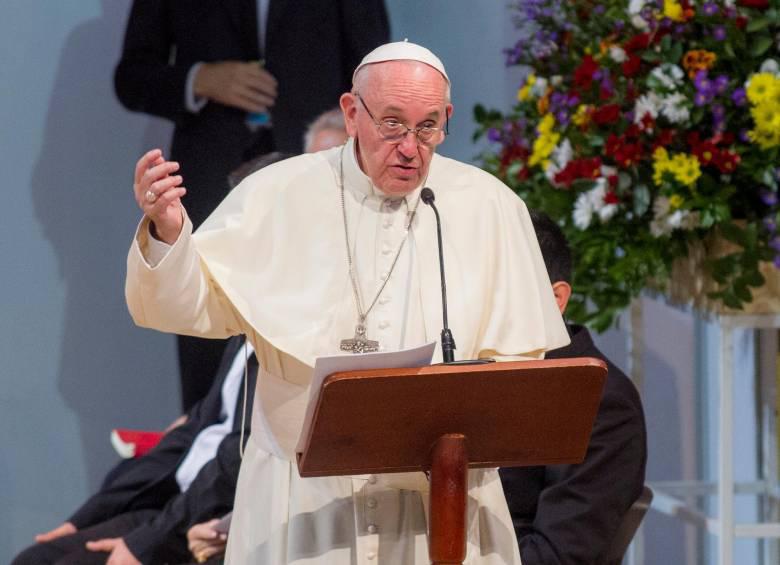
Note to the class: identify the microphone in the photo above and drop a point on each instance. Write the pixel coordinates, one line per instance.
(447, 341)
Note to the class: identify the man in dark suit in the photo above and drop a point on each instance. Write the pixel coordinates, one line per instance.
(142, 513)
(569, 514)
(195, 63)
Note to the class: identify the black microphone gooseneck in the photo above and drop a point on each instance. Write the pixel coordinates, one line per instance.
(447, 342)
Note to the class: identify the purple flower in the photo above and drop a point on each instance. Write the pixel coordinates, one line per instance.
(770, 224)
(777, 261)
(721, 83)
(768, 197)
(700, 99)
(710, 8)
(494, 134)
(563, 117)
(719, 33)
(619, 25)
(738, 96)
(774, 243)
(743, 136)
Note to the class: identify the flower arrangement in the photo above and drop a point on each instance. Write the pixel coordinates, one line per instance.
(645, 127)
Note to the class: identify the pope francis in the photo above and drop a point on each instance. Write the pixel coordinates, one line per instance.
(331, 248)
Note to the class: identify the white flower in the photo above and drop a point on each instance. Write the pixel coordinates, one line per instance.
(669, 76)
(647, 104)
(674, 108)
(665, 222)
(559, 158)
(539, 87)
(635, 6)
(770, 66)
(617, 54)
(639, 22)
(556, 80)
(583, 211)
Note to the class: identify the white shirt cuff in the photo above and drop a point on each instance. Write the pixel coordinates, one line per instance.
(156, 250)
(193, 103)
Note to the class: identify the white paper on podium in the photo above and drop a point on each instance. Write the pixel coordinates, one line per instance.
(420, 356)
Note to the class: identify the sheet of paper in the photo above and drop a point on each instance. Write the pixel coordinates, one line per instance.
(413, 357)
(405, 358)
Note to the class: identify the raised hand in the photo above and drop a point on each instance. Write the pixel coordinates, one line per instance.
(158, 193)
(243, 85)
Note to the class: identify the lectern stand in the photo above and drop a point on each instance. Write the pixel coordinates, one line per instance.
(446, 419)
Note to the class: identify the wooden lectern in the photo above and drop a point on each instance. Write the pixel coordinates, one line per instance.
(445, 419)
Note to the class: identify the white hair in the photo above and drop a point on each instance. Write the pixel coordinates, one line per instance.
(362, 74)
(330, 120)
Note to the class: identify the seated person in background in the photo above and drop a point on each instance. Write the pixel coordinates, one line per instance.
(327, 131)
(142, 514)
(570, 513)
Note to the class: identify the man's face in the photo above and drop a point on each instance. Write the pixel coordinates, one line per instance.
(411, 93)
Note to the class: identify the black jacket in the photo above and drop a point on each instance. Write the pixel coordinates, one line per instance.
(149, 482)
(569, 514)
(312, 48)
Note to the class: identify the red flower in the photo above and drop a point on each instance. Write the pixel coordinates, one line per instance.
(639, 41)
(583, 76)
(578, 169)
(608, 114)
(758, 4)
(631, 65)
(726, 161)
(706, 152)
(610, 197)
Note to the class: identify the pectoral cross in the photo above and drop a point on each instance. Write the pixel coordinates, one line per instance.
(359, 343)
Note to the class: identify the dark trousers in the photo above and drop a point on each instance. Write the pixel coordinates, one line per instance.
(72, 550)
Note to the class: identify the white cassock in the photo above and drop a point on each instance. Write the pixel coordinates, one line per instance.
(271, 262)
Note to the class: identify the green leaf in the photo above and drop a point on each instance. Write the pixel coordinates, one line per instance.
(757, 24)
(479, 113)
(641, 199)
(761, 45)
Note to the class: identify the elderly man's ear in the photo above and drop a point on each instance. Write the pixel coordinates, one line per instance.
(348, 104)
(562, 292)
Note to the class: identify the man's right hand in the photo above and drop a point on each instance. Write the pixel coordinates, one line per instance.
(243, 85)
(64, 529)
(158, 194)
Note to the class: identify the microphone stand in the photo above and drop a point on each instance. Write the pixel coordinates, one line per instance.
(447, 341)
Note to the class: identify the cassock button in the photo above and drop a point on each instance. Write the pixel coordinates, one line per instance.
(383, 324)
(371, 529)
(370, 555)
(386, 251)
(372, 479)
(384, 299)
(384, 276)
(372, 502)
(388, 224)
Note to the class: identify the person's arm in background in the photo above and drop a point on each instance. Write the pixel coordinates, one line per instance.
(580, 509)
(145, 80)
(148, 79)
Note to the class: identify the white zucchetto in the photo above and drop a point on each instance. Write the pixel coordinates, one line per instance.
(402, 51)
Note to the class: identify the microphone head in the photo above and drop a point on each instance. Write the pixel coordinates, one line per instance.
(427, 195)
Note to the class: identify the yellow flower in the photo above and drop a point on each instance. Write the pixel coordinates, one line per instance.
(581, 116)
(698, 60)
(676, 201)
(685, 168)
(762, 87)
(673, 10)
(525, 92)
(545, 143)
(660, 165)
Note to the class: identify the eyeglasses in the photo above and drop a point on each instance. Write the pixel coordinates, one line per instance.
(393, 131)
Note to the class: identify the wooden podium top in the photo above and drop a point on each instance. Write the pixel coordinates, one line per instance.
(512, 414)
